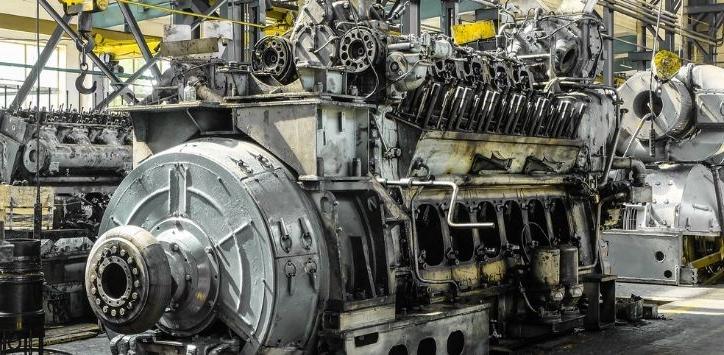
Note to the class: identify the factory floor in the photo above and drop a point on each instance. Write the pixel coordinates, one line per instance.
(693, 322)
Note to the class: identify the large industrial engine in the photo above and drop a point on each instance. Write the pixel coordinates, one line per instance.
(383, 193)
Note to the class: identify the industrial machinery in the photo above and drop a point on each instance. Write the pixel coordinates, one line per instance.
(82, 157)
(679, 233)
(362, 191)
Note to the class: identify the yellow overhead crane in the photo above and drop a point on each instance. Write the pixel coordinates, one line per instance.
(281, 17)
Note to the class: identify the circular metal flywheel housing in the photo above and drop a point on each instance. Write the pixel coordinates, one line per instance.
(358, 49)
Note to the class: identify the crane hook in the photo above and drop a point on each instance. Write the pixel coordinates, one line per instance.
(79, 82)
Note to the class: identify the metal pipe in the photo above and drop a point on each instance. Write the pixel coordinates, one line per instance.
(636, 133)
(637, 168)
(453, 199)
(32, 77)
(138, 36)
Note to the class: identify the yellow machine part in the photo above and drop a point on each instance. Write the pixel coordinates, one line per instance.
(122, 48)
(493, 272)
(666, 64)
(473, 31)
(283, 21)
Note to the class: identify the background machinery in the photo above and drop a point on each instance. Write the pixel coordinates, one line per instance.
(680, 140)
(83, 156)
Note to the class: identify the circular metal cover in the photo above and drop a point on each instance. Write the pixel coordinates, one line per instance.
(213, 204)
(672, 107)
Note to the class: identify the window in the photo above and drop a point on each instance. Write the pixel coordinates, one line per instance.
(18, 57)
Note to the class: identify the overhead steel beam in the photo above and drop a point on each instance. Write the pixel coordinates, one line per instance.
(138, 36)
(698, 9)
(31, 79)
(129, 97)
(210, 11)
(113, 16)
(124, 88)
(411, 18)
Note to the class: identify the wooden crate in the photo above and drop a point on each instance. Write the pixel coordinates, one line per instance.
(17, 205)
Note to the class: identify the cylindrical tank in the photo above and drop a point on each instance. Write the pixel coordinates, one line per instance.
(546, 266)
(21, 282)
(569, 265)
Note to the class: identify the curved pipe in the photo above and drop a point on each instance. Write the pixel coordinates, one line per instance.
(455, 189)
(637, 168)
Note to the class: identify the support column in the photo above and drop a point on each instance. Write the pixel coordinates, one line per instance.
(411, 18)
(608, 46)
(448, 16)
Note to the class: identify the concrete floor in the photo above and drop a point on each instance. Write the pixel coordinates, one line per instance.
(694, 323)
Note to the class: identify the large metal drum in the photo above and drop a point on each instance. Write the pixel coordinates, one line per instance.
(21, 282)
